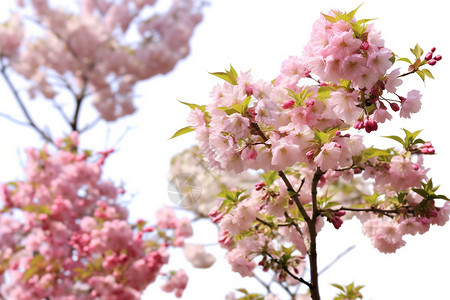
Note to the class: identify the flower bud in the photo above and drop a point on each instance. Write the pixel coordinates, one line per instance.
(433, 49)
(365, 46)
(432, 62)
(288, 104)
(438, 57)
(259, 185)
(310, 154)
(429, 55)
(394, 106)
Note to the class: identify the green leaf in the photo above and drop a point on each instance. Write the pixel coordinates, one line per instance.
(182, 131)
(411, 136)
(270, 177)
(299, 97)
(396, 138)
(392, 59)
(244, 104)
(35, 265)
(427, 73)
(351, 14)
(374, 152)
(417, 51)
(243, 291)
(330, 18)
(230, 110)
(229, 75)
(338, 286)
(421, 75)
(194, 106)
(405, 59)
(323, 93)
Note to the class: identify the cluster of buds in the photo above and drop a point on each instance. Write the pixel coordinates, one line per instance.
(432, 60)
(427, 148)
(335, 219)
(368, 124)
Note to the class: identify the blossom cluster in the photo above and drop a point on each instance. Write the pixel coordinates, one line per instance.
(305, 131)
(102, 51)
(64, 235)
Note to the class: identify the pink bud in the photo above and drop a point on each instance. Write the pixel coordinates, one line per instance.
(438, 57)
(288, 104)
(430, 151)
(429, 55)
(358, 124)
(251, 154)
(432, 213)
(340, 213)
(433, 49)
(310, 154)
(310, 103)
(365, 46)
(394, 106)
(432, 62)
(259, 185)
(218, 217)
(427, 145)
(148, 229)
(249, 90)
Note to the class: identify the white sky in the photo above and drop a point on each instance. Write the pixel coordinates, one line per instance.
(259, 35)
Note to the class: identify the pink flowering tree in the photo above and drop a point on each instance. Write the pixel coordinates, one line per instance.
(305, 132)
(100, 51)
(63, 232)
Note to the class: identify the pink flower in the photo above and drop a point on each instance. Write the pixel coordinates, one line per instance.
(165, 218)
(239, 263)
(392, 81)
(177, 283)
(379, 61)
(344, 105)
(284, 153)
(411, 105)
(328, 157)
(197, 256)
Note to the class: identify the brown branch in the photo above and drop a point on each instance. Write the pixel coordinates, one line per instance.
(30, 121)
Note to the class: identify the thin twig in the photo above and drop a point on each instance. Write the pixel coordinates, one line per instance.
(8, 117)
(22, 105)
(337, 259)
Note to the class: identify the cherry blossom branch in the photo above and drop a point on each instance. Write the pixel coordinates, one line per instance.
(407, 73)
(372, 209)
(286, 181)
(337, 259)
(285, 268)
(310, 221)
(266, 286)
(314, 288)
(22, 106)
(9, 118)
(79, 97)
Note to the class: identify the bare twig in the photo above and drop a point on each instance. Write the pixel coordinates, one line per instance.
(22, 106)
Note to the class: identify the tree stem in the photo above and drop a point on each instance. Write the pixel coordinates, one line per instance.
(22, 106)
(314, 288)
